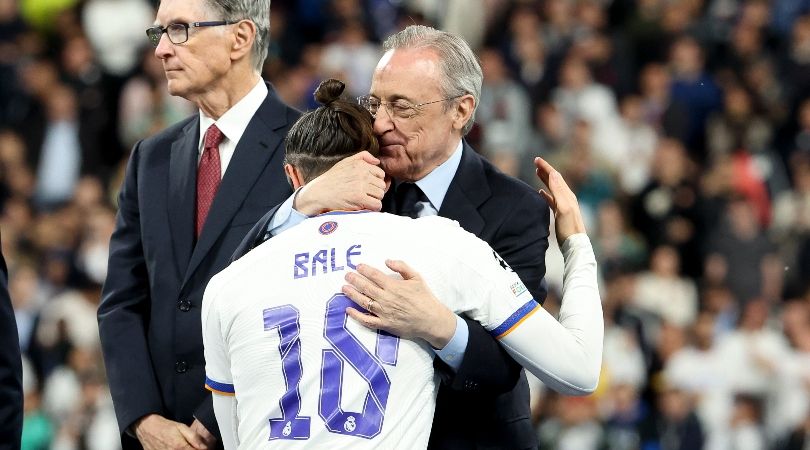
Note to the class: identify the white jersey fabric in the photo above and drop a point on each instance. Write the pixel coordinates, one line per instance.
(305, 375)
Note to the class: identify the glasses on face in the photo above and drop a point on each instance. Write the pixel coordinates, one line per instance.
(398, 109)
(178, 32)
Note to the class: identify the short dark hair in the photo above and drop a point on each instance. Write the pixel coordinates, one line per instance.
(335, 130)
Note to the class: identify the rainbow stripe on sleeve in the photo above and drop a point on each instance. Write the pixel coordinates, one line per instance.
(515, 319)
(219, 388)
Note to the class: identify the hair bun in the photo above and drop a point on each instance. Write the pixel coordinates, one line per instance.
(329, 91)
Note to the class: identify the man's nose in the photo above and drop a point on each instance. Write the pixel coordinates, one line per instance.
(164, 48)
(383, 121)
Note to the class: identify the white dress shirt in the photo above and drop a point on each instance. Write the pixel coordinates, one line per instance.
(232, 124)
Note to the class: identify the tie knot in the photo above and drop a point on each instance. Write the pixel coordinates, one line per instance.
(408, 196)
(213, 137)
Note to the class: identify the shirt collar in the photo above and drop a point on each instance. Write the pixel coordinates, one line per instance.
(436, 183)
(235, 120)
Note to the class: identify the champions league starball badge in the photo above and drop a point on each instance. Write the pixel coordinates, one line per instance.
(328, 227)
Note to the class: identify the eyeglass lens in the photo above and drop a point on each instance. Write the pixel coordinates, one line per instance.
(177, 32)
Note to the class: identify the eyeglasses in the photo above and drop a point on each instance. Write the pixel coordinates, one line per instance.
(400, 109)
(178, 32)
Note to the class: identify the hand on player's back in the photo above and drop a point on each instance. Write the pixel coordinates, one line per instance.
(563, 201)
(354, 183)
(405, 307)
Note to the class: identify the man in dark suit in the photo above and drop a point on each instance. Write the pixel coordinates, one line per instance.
(423, 97)
(11, 395)
(190, 194)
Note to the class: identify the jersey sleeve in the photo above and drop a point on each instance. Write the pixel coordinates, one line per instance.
(218, 378)
(566, 354)
(485, 288)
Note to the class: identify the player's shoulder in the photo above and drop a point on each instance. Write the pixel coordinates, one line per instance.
(234, 272)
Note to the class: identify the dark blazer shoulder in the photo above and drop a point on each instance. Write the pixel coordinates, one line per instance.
(168, 135)
(498, 181)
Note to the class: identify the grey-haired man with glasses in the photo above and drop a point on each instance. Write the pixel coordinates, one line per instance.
(190, 194)
(423, 97)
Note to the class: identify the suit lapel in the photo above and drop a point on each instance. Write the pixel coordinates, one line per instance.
(255, 148)
(468, 190)
(182, 192)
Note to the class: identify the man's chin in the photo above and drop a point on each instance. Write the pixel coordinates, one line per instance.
(393, 167)
(175, 88)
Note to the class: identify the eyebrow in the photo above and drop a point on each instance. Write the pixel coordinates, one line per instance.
(175, 20)
(396, 97)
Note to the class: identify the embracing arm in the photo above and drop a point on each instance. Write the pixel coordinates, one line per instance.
(565, 355)
(572, 361)
(354, 183)
(522, 242)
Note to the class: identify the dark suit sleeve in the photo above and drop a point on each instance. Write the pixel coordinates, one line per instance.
(522, 242)
(11, 395)
(205, 414)
(256, 234)
(124, 310)
(500, 373)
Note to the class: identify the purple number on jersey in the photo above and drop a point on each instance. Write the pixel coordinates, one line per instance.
(290, 425)
(346, 348)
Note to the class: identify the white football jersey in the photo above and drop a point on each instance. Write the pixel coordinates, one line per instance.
(303, 373)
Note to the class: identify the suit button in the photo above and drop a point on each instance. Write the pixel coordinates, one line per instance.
(180, 367)
(184, 305)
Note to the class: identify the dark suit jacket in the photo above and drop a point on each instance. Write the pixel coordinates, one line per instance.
(486, 403)
(11, 394)
(149, 316)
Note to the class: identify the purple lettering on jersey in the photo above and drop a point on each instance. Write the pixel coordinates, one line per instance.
(349, 253)
(334, 267)
(300, 268)
(319, 257)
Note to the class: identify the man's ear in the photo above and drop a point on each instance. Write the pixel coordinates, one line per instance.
(294, 175)
(244, 35)
(463, 111)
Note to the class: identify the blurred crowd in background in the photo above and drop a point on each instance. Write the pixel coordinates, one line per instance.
(683, 126)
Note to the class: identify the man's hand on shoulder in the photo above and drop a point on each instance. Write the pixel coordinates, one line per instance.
(355, 183)
(158, 433)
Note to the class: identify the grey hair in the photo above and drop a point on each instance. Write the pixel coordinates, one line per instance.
(461, 71)
(258, 12)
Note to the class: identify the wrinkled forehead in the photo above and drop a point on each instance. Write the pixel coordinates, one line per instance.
(182, 11)
(410, 74)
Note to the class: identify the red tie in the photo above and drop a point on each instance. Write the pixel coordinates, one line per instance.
(208, 176)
